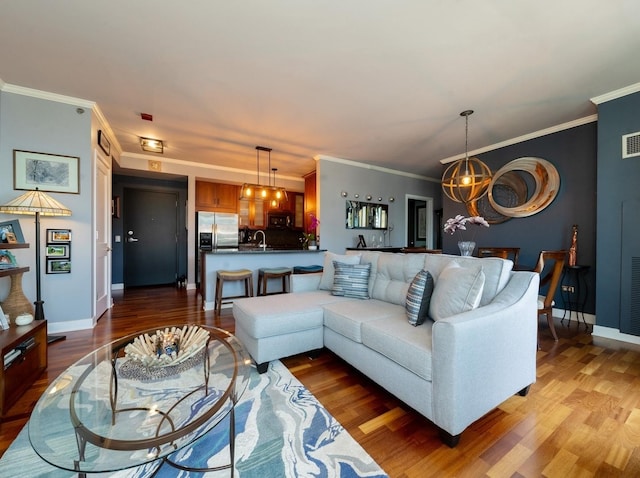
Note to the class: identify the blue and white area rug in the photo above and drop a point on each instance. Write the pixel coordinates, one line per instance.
(281, 431)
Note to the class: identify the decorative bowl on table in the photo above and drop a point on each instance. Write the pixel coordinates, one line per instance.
(167, 347)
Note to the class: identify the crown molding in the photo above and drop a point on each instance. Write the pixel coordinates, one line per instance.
(612, 95)
(526, 137)
(46, 95)
(381, 169)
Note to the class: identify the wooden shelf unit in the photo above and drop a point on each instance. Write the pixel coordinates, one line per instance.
(23, 371)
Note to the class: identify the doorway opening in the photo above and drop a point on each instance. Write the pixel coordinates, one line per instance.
(419, 230)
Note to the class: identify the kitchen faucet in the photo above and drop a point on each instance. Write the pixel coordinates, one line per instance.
(262, 244)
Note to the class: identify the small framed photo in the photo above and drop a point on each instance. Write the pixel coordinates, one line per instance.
(104, 142)
(58, 235)
(58, 250)
(9, 229)
(7, 260)
(115, 207)
(58, 266)
(4, 323)
(46, 172)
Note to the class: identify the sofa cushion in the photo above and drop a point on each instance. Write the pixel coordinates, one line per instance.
(457, 289)
(419, 297)
(326, 282)
(393, 276)
(351, 280)
(271, 315)
(397, 340)
(346, 317)
(497, 271)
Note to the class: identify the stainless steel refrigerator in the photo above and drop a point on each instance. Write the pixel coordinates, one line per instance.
(215, 231)
(222, 226)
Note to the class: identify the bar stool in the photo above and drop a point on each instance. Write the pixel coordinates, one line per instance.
(245, 275)
(307, 269)
(264, 274)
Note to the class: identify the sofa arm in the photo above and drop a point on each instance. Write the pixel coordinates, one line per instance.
(305, 282)
(484, 356)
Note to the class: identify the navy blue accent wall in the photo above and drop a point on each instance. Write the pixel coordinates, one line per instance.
(573, 153)
(618, 183)
(118, 184)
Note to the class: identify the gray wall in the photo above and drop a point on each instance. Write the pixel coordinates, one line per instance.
(617, 185)
(33, 124)
(333, 177)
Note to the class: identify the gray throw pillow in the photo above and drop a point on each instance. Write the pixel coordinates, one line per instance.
(326, 281)
(351, 280)
(419, 297)
(457, 289)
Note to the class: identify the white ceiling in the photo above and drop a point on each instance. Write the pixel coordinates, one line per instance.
(375, 81)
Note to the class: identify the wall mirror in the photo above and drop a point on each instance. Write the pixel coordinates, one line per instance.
(364, 215)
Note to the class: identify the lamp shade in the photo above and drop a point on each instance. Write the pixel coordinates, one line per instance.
(36, 201)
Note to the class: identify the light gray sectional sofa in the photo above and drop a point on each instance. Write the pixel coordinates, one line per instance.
(480, 350)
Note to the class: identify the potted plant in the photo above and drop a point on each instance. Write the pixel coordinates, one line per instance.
(310, 236)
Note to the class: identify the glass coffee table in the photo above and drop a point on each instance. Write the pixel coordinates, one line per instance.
(109, 412)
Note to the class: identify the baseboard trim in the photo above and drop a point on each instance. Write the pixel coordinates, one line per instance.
(614, 334)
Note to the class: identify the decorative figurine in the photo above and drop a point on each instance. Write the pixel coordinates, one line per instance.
(573, 249)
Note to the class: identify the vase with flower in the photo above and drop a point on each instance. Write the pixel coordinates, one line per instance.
(311, 238)
(459, 224)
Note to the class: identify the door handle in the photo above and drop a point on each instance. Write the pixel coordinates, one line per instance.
(132, 239)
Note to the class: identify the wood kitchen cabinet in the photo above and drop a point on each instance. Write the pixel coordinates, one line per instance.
(309, 197)
(216, 197)
(251, 213)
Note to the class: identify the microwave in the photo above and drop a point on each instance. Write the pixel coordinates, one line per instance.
(279, 220)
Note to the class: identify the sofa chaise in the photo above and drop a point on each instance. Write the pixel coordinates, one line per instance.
(453, 337)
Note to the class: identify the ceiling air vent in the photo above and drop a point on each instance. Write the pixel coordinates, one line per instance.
(631, 145)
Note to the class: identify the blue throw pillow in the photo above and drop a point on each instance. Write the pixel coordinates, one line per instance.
(419, 297)
(351, 280)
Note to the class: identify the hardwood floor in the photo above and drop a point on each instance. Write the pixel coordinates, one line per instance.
(581, 417)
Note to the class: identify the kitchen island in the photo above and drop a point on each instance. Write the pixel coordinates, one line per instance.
(253, 259)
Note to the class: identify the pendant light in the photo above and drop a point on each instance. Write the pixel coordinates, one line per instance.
(466, 179)
(263, 192)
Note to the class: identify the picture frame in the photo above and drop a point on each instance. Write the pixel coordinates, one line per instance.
(115, 207)
(58, 250)
(4, 323)
(422, 223)
(58, 236)
(58, 266)
(12, 227)
(7, 260)
(104, 143)
(46, 172)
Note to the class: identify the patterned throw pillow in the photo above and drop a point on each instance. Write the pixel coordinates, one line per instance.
(351, 280)
(326, 281)
(419, 297)
(457, 289)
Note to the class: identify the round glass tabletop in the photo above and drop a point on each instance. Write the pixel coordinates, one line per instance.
(110, 411)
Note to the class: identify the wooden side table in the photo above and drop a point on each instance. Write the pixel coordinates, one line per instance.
(575, 291)
(17, 376)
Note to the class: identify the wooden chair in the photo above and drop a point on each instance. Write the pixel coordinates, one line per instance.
(512, 253)
(550, 266)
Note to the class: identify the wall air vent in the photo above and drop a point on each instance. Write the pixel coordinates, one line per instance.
(631, 145)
